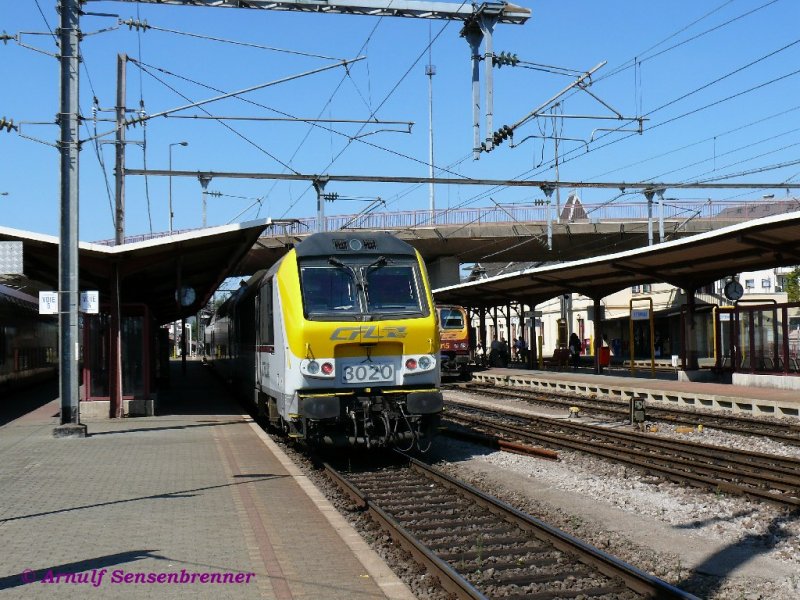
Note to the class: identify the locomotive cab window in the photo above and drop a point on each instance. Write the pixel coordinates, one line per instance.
(328, 290)
(354, 289)
(451, 319)
(393, 288)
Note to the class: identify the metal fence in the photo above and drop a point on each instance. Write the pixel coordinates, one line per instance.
(682, 211)
(677, 212)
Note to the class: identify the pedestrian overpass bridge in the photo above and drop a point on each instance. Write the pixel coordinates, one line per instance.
(524, 232)
(530, 232)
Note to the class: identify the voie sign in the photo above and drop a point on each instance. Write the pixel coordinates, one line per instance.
(49, 305)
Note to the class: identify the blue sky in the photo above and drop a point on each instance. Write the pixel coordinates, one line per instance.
(683, 47)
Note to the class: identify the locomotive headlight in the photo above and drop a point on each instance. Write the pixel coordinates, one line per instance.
(425, 362)
(411, 364)
(313, 368)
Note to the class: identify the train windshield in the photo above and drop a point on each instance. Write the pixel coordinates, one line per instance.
(451, 318)
(329, 289)
(339, 290)
(392, 288)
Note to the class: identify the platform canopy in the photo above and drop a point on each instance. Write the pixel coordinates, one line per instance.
(689, 263)
(151, 270)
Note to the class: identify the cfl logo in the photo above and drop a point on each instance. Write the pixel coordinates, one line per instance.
(373, 332)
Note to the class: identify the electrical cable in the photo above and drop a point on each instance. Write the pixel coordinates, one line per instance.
(730, 74)
(732, 151)
(237, 43)
(684, 147)
(386, 98)
(50, 29)
(566, 157)
(225, 125)
(144, 125)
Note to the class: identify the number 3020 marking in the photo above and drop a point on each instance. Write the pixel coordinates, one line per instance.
(368, 373)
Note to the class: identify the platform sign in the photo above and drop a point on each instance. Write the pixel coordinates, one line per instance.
(11, 258)
(48, 303)
(640, 314)
(724, 316)
(90, 302)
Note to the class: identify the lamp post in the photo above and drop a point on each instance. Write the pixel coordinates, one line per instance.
(170, 180)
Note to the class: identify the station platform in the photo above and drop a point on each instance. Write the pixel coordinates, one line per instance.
(194, 503)
(757, 401)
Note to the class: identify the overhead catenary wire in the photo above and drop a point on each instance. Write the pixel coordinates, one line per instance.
(313, 124)
(389, 94)
(637, 60)
(729, 152)
(47, 24)
(234, 131)
(698, 142)
(144, 127)
(143, 25)
(571, 155)
(95, 142)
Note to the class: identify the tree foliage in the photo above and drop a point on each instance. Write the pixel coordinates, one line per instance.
(793, 285)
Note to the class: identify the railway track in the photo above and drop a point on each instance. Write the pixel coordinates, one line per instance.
(479, 547)
(758, 476)
(788, 433)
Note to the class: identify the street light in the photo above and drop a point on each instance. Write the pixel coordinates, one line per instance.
(170, 181)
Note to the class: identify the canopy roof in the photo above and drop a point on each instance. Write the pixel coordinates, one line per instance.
(151, 270)
(688, 263)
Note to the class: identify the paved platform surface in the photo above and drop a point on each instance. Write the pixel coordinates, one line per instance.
(197, 493)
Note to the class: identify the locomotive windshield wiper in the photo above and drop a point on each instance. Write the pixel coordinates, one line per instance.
(381, 261)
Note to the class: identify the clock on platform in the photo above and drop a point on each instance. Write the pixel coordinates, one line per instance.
(186, 295)
(733, 290)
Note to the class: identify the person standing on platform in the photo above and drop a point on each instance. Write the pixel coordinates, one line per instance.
(575, 349)
(521, 348)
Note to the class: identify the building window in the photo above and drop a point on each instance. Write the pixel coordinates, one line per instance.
(635, 289)
(765, 284)
(646, 288)
(750, 284)
(780, 283)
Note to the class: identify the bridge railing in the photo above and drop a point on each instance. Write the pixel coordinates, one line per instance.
(674, 210)
(677, 212)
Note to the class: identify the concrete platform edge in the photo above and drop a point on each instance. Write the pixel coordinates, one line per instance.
(672, 397)
(384, 577)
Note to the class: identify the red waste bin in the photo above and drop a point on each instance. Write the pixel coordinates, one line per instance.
(605, 356)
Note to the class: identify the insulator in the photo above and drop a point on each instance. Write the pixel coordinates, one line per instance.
(135, 24)
(7, 124)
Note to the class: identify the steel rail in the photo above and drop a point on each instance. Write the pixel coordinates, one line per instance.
(730, 423)
(612, 567)
(448, 578)
(694, 473)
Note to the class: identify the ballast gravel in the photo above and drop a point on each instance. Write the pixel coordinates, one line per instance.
(715, 546)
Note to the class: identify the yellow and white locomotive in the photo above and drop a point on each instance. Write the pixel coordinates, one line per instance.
(337, 343)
